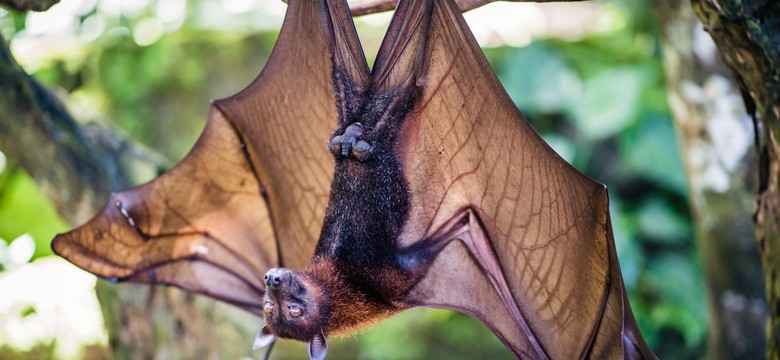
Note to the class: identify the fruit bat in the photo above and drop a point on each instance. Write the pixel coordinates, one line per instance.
(325, 197)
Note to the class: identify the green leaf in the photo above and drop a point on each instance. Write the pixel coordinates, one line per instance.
(610, 102)
(538, 79)
(25, 210)
(651, 150)
(562, 145)
(659, 222)
(676, 281)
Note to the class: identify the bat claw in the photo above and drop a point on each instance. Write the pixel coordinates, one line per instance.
(350, 144)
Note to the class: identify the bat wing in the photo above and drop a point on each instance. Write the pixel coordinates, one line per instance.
(249, 196)
(535, 260)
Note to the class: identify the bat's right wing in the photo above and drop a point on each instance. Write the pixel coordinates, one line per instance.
(535, 260)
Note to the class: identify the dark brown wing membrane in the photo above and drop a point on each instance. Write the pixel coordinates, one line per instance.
(209, 208)
(285, 117)
(539, 265)
(260, 172)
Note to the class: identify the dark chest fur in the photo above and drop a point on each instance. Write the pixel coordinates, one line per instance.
(369, 201)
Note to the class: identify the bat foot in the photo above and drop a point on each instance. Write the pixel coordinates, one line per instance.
(350, 143)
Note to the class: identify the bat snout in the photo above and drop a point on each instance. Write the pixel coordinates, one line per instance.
(274, 278)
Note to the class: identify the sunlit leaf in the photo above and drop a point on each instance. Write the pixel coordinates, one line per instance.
(610, 102)
(677, 281)
(661, 223)
(538, 79)
(25, 210)
(562, 145)
(651, 150)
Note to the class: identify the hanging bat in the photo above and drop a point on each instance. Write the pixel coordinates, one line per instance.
(433, 190)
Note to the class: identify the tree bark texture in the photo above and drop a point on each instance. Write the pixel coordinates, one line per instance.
(716, 137)
(366, 7)
(747, 34)
(77, 166)
(25, 5)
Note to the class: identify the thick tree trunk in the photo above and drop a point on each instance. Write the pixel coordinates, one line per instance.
(747, 34)
(77, 166)
(716, 137)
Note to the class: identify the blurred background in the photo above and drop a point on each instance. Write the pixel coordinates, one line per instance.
(589, 77)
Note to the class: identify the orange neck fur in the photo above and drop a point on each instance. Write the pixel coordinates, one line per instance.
(350, 310)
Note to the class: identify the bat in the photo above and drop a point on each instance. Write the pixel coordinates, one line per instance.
(325, 197)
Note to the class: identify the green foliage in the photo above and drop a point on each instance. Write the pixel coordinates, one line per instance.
(25, 210)
(425, 334)
(448, 335)
(650, 150)
(537, 87)
(39, 351)
(609, 103)
(173, 82)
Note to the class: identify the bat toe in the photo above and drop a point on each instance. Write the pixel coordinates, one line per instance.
(350, 144)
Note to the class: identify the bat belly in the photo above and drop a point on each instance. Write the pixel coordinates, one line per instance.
(368, 208)
(369, 196)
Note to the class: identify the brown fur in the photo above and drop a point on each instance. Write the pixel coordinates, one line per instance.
(350, 309)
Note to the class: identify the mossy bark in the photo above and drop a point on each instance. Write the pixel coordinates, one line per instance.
(716, 136)
(747, 34)
(29, 5)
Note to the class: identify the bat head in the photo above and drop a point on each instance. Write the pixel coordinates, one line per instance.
(295, 306)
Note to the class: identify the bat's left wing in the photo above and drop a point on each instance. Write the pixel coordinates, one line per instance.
(535, 260)
(252, 192)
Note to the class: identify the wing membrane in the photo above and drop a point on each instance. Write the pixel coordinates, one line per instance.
(546, 225)
(260, 172)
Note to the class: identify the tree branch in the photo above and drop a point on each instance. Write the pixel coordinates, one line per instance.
(747, 34)
(730, 257)
(365, 7)
(76, 166)
(32, 5)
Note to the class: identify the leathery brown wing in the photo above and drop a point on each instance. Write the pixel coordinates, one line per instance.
(495, 224)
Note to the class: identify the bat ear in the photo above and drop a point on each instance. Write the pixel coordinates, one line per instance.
(318, 347)
(263, 338)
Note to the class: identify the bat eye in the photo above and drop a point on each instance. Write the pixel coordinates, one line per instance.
(295, 311)
(268, 307)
